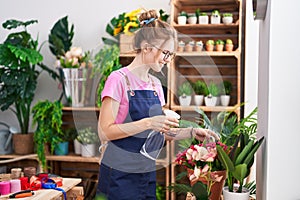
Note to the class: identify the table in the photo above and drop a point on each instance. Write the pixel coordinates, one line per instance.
(50, 194)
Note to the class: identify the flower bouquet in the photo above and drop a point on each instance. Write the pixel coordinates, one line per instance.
(204, 171)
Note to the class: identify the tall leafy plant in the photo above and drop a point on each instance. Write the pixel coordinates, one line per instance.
(19, 57)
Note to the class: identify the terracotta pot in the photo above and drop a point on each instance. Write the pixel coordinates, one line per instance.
(229, 47)
(23, 143)
(209, 47)
(219, 47)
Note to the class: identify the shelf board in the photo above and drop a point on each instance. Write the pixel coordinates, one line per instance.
(206, 2)
(127, 54)
(81, 109)
(72, 158)
(206, 26)
(204, 108)
(208, 53)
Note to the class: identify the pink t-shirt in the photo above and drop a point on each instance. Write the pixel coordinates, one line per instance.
(116, 88)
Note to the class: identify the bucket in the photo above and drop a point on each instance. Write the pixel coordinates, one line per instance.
(5, 140)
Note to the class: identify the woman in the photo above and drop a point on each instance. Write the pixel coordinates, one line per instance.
(131, 118)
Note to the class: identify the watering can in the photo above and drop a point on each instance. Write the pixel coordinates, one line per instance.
(6, 139)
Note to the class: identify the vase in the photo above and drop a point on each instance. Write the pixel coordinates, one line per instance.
(225, 100)
(244, 195)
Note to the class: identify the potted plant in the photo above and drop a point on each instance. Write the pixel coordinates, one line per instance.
(229, 45)
(209, 45)
(212, 96)
(47, 116)
(226, 89)
(88, 138)
(192, 18)
(227, 18)
(203, 18)
(181, 46)
(199, 46)
(215, 17)
(182, 18)
(200, 90)
(19, 78)
(190, 46)
(220, 45)
(184, 93)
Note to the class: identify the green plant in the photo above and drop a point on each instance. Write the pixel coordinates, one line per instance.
(227, 15)
(60, 37)
(104, 62)
(210, 42)
(220, 42)
(183, 13)
(213, 89)
(215, 13)
(48, 118)
(226, 87)
(203, 14)
(229, 41)
(87, 136)
(185, 89)
(19, 56)
(199, 87)
(197, 12)
(163, 15)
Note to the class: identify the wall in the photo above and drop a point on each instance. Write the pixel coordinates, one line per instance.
(89, 18)
(278, 101)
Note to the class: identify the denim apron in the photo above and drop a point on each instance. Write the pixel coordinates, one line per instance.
(126, 174)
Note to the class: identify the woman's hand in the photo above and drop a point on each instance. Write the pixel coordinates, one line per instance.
(202, 134)
(162, 123)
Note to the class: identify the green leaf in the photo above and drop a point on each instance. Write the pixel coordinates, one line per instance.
(200, 190)
(225, 160)
(250, 156)
(26, 55)
(240, 172)
(110, 30)
(244, 153)
(12, 23)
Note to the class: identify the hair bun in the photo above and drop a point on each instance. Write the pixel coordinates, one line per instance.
(148, 15)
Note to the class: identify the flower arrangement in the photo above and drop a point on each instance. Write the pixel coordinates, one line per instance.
(75, 58)
(202, 164)
(125, 23)
(87, 136)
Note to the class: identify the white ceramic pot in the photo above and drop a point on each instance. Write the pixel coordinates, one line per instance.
(234, 196)
(181, 20)
(210, 101)
(225, 99)
(198, 99)
(192, 20)
(88, 150)
(185, 100)
(227, 20)
(203, 19)
(215, 19)
(77, 147)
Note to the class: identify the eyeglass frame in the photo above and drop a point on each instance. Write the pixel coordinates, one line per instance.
(166, 53)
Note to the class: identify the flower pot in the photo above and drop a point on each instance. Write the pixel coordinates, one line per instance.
(23, 143)
(185, 100)
(209, 47)
(192, 20)
(215, 19)
(189, 48)
(233, 195)
(210, 101)
(229, 47)
(88, 150)
(62, 149)
(181, 20)
(198, 99)
(225, 99)
(219, 47)
(227, 20)
(77, 147)
(203, 19)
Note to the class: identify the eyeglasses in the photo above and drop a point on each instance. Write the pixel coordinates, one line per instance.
(167, 54)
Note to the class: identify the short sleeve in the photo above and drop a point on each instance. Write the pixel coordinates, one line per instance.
(113, 87)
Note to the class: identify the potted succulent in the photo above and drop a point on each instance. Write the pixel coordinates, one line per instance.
(192, 18)
(19, 78)
(215, 17)
(184, 92)
(209, 45)
(229, 45)
(47, 116)
(211, 97)
(182, 18)
(181, 46)
(200, 90)
(199, 46)
(227, 18)
(226, 89)
(189, 47)
(220, 45)
(88, 138)
(203, 18)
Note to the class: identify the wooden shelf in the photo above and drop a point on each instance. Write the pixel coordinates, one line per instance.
(72, 158)
(206, 26)
(204, 108)
(208, 53)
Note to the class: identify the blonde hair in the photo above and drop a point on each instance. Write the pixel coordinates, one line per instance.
(152, 28)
